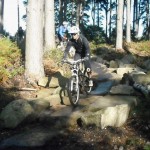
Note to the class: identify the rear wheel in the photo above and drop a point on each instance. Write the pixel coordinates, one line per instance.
(84, 82)
(73, 90)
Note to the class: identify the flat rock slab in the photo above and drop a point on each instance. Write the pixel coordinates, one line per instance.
(99, 71)
(102, 88)
(69, 115)
(62, 116)
(96, 102)
(110, 100)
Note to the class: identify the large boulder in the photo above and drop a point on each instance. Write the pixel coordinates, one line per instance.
(113, 64)
(110, 116)
(14, 113)
(107, 111)
(122, 90)
(127, 59)
(146, 64)
(143, 79)
(20, 111)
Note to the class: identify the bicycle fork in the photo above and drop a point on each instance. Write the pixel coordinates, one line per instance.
(75, 80)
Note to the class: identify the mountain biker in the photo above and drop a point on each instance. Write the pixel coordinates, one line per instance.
(62, 32)
(20, 33)
(82, 49)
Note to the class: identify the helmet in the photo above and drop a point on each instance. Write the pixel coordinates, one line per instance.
(74, 29)
(65, 23)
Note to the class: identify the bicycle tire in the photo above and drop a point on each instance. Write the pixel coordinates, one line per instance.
(88, 89)
(73, 91)
(84, 80)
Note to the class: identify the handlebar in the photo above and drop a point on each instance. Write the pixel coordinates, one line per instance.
(73, 62)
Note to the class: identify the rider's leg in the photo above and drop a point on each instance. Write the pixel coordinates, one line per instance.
(90, 80)
(89, 71)
(60, 39)
(88, 68)
(77, 56)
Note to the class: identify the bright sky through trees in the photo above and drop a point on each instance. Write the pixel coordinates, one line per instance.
(11, 16)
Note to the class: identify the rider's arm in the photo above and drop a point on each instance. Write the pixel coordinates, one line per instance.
(69, 45)
(67, 50)
(61, 31)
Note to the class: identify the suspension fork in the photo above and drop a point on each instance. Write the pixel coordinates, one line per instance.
(75, 75)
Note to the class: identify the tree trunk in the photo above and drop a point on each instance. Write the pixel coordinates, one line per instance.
(65, 11)
(98, 15)
(60, 12)
(93, 12)
(34, 41)
(106, 13)
(49, 25)
(72, 12)
(107, 24)
(110, 21)
(78, 13)
(137, 20)
(128, 23)
(18, 10)
(1, 15)
(148, 20)
(119, 25)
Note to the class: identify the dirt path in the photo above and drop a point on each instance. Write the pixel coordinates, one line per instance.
(43, 133)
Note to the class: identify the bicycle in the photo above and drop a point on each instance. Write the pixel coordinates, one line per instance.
(79, 80)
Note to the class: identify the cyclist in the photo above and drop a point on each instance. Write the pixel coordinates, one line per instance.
(62, 32)
(82, 49)
(20, 33)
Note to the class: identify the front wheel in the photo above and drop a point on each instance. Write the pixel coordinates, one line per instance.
(73, 91)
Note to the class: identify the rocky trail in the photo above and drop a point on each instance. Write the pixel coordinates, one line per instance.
(107, 119)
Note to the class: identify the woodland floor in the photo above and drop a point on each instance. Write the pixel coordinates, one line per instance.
(132, 136)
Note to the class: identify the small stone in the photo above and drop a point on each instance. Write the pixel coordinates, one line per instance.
(121, 148)
(115, 147)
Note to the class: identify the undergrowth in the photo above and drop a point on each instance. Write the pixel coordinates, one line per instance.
(53, 63)
(10, 60)
(11, 65)
(141, 46)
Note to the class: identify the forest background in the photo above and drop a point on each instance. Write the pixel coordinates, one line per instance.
(101, 21)
(23, 62)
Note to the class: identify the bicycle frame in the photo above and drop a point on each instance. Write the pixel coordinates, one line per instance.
(75, 70)
(74, 85)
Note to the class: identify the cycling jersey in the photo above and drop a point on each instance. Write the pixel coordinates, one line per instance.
(81, 46)
(62, 30)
